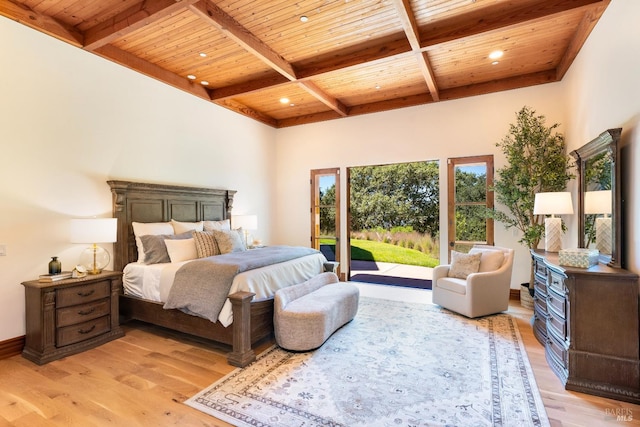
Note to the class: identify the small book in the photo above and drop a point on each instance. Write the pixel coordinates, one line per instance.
(55, 277)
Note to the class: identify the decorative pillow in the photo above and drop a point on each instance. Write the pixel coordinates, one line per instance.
(148, 228)
(181, 227)
(224, 224)
(463, 265)
(229, 240)
(155, 249)
(205, 244)
(181, 249)
(491, 259)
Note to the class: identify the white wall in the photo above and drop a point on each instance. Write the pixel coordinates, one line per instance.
(460, 128)
(603, 92)
(69, 121)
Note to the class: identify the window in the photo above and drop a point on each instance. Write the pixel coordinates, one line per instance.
(469, 184)
(325, 212)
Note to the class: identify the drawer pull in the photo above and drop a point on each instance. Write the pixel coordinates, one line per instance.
(86, 312)
(86, 294)
(87, 331)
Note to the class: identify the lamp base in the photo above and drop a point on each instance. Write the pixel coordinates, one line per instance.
(94, 259)
(552, 234)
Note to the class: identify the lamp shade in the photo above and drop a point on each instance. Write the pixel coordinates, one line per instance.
(246, 222)
(553, 203)
(94, 230)
(597, 202)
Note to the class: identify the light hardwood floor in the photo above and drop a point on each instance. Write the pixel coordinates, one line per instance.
(142, 378)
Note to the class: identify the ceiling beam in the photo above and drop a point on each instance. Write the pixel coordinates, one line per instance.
(211, 13)
(582, 32)
(40, 22)
(249, 112)
(323, 97)
(132, 19)
(410, 25)
(251, 86)
(492, 18)
(149, 69)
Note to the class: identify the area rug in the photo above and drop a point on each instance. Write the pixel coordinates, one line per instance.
(396, 364)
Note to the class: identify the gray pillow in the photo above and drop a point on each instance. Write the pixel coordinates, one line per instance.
(155, 250)
(229, 240)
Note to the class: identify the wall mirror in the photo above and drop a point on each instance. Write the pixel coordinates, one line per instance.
(599, 204)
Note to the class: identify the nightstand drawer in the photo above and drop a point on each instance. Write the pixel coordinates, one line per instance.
(82, 331)
(82, 313)
(82, 294)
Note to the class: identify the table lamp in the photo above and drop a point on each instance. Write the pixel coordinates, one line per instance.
(553, 203)
(599, 203)
(94, 231)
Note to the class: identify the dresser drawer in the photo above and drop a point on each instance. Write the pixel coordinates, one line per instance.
(556, 282)
(82, 331)
(558, 325)
(540, 303)
(557, 350)
(557, 304)
(82, 313)
(82, 294)
(541, 285)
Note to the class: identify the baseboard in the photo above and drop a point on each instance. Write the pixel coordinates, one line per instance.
(11, 347)
(514, 294)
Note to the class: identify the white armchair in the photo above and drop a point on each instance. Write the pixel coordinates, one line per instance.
(482, 293)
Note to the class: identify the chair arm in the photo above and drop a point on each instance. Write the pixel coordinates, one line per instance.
(440, 271)
(490, 281)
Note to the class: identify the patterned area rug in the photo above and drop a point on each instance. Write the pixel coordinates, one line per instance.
(395, 364)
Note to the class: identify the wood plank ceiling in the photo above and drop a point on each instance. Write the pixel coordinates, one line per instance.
(350, 57)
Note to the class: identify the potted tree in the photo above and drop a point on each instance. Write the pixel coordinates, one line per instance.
(536, 162)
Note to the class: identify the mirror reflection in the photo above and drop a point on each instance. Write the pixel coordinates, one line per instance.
(598, 202)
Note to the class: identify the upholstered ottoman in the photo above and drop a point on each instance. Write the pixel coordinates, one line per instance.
(306, 315)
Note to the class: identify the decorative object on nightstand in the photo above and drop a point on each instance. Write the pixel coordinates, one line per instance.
(71, 315)
(246, 223)
(55, 266)
(554, 203)
(94, 231)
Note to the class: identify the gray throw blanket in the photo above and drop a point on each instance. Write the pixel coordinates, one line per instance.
(201, 287)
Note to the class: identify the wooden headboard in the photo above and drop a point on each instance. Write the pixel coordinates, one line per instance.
(140, 202)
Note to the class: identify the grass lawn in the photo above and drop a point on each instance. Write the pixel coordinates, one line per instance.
(368, 250)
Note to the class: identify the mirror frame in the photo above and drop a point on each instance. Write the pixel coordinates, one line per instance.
(606, 141)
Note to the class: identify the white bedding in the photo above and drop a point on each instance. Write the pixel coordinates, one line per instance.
(153, 282)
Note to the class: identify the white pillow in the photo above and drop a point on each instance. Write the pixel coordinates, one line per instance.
(147, 228)
(180, 227)
(491, 259)
(181, 250)
(224, 224)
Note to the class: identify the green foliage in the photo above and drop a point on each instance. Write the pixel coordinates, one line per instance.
(327, 210)
(366, 250)
(398, 195)
(536, 163)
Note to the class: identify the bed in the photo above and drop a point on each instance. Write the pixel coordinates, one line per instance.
(251, 320)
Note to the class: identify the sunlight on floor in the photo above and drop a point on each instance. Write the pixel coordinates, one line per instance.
(394, 293)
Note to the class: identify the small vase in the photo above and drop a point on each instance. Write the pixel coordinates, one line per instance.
(55, 266)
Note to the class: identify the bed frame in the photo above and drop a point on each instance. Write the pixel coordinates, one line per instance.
(139, 202)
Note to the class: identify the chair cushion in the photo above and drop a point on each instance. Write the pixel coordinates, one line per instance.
(490, 260)
(463, 264)
(452, 284)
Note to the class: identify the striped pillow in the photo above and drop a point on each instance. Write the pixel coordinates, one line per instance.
(205, 244)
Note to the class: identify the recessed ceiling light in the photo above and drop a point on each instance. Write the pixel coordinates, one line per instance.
(377, 87)
(284, 100)
(292, 105)
(191, 77)
(204, 55)
(204, 83)
(496, 54)
(495, 63)
(304, 18)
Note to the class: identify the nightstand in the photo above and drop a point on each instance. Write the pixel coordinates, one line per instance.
(70, 316)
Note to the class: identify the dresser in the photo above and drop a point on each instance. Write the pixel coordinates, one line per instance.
(587, 320)
(70, 316)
